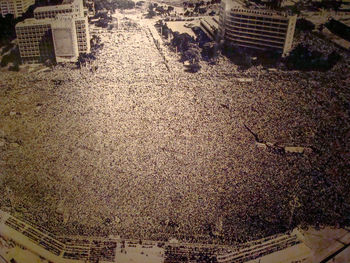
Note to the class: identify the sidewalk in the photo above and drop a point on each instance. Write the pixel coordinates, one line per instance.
(328, 245)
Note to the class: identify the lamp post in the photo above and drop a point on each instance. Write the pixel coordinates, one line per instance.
(294, 203)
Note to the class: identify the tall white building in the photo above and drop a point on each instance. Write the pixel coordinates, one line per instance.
(15, 7)
(67, 7)
(255, 27)
(56, 32)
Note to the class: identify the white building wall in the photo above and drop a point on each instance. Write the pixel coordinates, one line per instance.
(255, 27)
(65, 39)
(15, 7)
(290, 35)
(70, 29)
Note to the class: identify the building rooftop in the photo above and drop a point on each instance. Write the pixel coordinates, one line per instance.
(252, 7)
(263, 12)
(33, 21)
(245, 4)
(51, 8)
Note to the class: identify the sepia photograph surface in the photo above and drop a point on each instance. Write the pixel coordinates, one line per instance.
(174, 131)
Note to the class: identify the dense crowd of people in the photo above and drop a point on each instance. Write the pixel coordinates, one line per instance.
(123, 146)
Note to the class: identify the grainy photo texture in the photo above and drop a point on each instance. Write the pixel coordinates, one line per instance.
(174, 131)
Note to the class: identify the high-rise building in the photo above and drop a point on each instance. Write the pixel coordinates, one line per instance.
(15, 7)
(256, 27)
(67, 7)
(35, 40)
(56, 32)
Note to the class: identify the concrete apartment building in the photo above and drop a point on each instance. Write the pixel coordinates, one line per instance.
(67, 7)
(57, 33)
(256, 27)
(15, 7)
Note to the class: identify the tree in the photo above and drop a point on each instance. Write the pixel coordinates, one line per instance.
(210, 50)
(274, 4)
(102, 23)
(160, 10)
(151, 13)
(13, 58)
(7, 28)
(140, 3)
(305, 25)
(182, 41)
(165, 30)
(301, 58)
(202, 10)
(14, 67)
(193, 53)
(339, 29)
(114, 4)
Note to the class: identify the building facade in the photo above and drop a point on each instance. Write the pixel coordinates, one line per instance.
(67, 7)
(34, 39)
(58, 33)
(15, 7)
(255, 27)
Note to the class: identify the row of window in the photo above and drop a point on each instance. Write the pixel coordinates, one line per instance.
(263, 27)
(8, 10)
(37, 26)
(256, 42)
(43, 48)
(30, 54)
(53, 12)
(31, 30)
(258, 12)
(43, 16)
(29, 43)
(37, 29)
(30, 46)
(36, 51)
(257, 22)
(32, 33)
(32, 39)
(260, 37)
(7, 7)
(267, 19)
(256, 31)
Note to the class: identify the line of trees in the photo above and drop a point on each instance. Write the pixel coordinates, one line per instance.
(114, 4)
(7, 29)
(189, 50)
(301, 58)
(155, 9)
(339, 29)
